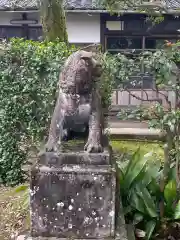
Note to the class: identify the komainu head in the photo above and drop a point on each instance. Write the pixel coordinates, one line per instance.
(80, 70)
(91, 63)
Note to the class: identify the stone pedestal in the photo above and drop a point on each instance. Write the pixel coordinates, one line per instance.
(73, 196)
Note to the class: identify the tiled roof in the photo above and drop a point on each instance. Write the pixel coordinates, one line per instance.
(15, 4)
(173, 4)
(69, 4)
(33, 4)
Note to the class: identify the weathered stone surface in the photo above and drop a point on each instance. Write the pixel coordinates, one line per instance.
(73, 196)
(53, 159)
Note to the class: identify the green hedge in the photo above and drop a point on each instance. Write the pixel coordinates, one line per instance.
(28, 80)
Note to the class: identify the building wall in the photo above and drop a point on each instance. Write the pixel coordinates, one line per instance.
(81, 27)
(5, 17)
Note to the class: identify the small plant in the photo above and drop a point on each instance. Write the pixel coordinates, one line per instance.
(146, 205)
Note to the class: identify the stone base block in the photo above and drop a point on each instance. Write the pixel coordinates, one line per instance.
(27, 237)
(120, 237)
(73, 196)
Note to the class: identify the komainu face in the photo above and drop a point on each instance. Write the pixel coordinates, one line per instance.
(97, 70)
(92, 64)
(81, 69)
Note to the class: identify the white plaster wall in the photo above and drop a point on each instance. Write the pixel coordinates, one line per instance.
(81, 27)
(6, 17)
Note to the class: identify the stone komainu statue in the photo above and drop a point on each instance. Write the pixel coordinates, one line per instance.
(78, 101)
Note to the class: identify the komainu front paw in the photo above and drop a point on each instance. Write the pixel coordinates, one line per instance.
(93, 146)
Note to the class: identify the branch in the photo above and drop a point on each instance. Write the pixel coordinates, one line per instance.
(165, 97)
(142, 99)
(145, 93)
(92, 47)
(155, 5)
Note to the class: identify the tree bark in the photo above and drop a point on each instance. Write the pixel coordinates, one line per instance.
(53, 20)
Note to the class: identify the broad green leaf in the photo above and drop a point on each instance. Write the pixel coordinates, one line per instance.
(177, 211)
(134, 168)
(127, 210)
(170, 192)
(152, 172)
(136, 202)
(172, 174)
(150, 206)
(120, 176)
(150, 226)
(138, 217)
(154, 188)
(122, 165)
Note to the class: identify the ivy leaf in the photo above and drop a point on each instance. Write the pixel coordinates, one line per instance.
(138, 217)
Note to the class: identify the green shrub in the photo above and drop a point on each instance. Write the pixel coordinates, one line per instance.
(28, 81)
(107, 82)
(151, 209)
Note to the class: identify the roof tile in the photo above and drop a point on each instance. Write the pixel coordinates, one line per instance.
(70, 4)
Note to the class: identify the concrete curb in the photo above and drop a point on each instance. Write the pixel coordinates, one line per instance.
(136, 133)
(139, 131)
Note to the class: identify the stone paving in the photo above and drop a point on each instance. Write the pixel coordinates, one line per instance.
(133, 130)
(135, 127)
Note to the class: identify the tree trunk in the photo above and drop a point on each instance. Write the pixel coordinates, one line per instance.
(53, 20)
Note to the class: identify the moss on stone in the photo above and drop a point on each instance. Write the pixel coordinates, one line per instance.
(128, 147)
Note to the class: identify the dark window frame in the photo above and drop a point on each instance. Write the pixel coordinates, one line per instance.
(25, 31)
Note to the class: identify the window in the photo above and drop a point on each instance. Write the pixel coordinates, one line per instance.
(7, 32)
(34, 33)
(115, 25)
(122, 43)
(156, 43)
(134, 25)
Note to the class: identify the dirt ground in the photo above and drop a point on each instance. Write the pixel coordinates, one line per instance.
(14, 218)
